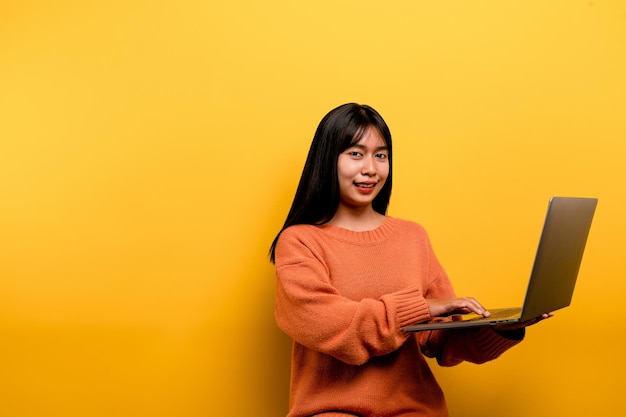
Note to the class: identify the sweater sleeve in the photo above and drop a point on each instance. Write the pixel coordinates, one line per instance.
(311, 311)
(453, 346)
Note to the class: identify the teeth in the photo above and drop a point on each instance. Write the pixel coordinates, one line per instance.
(365, 185)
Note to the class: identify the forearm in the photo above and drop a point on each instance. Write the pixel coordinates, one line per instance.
(478, 345)
(349, 330)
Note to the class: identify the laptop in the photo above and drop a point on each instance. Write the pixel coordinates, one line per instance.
(554, 271)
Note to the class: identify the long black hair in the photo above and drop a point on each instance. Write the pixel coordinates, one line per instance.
(317, 196)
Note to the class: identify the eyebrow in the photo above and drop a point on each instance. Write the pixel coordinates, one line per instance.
(380, 148)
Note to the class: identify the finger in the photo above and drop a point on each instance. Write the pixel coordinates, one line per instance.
(537, 319)
(475, 307)
(545, 316)
(481, 309)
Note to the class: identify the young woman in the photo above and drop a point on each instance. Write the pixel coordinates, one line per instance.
(349, 278)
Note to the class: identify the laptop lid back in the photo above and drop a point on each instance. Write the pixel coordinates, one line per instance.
(559, 255)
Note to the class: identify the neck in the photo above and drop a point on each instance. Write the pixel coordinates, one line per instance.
(358, 220)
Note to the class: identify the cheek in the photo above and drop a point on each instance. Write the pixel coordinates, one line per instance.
(347, 169)
(383, 172)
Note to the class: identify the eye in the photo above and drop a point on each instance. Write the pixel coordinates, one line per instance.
(355, 154)
(381, 156)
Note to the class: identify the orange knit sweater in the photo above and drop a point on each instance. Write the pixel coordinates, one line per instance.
(343, 297)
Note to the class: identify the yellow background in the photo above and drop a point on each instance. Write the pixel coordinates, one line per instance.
(149, 151)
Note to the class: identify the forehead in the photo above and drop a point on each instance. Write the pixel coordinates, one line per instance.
(371, 138)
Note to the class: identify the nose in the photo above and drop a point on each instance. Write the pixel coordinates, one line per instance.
(369, 166)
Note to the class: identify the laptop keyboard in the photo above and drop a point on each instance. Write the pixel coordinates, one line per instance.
(496, 314)
(504, 313)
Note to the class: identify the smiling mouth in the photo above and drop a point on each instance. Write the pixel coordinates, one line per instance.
(365, 185)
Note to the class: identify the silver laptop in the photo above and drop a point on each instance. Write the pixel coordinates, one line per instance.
(554, 272)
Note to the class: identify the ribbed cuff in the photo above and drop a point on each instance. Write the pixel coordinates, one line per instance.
(410, 306)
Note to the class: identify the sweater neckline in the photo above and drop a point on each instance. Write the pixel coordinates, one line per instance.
(378, 234)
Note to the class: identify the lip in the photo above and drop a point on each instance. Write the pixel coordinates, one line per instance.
(365, 187)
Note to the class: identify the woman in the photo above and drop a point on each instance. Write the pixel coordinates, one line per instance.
(349, 277)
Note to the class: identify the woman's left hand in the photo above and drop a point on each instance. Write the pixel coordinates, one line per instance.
(522, 324)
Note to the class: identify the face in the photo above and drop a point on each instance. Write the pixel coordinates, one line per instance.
(362, 171)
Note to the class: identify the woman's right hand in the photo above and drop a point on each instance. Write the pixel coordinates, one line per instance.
(442, 307)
